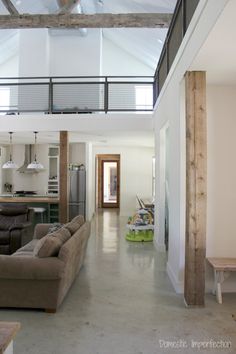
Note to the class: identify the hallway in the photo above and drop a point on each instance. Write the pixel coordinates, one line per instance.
(122, 303)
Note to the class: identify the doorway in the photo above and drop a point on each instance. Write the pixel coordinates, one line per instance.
(108, 181)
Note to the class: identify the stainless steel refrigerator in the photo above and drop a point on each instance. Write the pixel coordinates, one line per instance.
(77, 201)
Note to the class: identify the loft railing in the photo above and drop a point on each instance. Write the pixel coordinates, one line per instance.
(181, 19)
(85, 94)
(89, 94)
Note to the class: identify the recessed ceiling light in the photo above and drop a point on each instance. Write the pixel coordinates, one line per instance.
(18, 2)
(160, 41)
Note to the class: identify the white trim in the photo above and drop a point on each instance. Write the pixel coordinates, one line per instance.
(178, 285)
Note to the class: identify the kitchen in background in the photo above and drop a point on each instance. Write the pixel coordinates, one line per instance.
(45, 183)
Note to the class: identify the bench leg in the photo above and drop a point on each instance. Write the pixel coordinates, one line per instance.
(219, 278)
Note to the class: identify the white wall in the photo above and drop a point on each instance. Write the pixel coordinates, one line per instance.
(221, 221)
(75, 55)
(10, 68)
(135, 174)
(170, 110)
(33, 52)
(116, 61)
(42, 54)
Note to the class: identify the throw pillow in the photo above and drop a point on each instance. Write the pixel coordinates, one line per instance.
(54, 227)
(75, 224)
(47, 246)
(63, 234)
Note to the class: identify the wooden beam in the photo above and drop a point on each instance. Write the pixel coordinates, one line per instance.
(67, 6)
(64, 178)
(10, 7)
(140, 20)
(196, 188)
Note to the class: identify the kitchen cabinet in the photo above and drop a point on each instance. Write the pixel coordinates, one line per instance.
(53, 174)
(53, 213)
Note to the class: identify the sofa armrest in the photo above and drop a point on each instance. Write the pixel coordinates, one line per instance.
(41, 230)
(33, 268)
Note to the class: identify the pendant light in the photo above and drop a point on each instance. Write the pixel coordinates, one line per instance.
(35, 164)
(10, 163)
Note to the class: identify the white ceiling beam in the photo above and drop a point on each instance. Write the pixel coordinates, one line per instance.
(131, 20)
(10, 7)
(68, 7)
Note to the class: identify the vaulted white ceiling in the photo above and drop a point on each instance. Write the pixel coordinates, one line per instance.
(144, 44)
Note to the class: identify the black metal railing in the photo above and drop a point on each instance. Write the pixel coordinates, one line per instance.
(181, 19)
(85, 94)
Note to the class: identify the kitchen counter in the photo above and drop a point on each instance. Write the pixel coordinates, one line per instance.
(30, 199)
(49, 203)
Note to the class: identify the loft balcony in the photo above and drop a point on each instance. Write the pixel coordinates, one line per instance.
(70, 95)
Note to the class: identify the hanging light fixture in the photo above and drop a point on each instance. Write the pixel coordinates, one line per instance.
(10, 163)
(35, 164)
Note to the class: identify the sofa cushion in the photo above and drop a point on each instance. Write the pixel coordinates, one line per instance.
(47, 246)
(75, 224)
(23, 254)
(62, 234)
(29, 247)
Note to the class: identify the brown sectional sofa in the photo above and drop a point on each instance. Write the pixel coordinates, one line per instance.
(29, 279)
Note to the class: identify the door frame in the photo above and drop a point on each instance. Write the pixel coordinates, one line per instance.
(107, 158)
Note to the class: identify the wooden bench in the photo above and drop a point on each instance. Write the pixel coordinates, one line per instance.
(8, 331)
(221, 266)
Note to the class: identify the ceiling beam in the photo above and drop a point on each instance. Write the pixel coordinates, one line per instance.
(10, 7)
(139, 20)
(68, 7)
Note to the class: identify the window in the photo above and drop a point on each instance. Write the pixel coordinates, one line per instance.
(4, 99)
(144, 97)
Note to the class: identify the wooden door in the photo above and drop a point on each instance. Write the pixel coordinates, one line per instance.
(108, 188)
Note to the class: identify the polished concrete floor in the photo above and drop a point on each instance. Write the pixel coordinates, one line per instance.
(123, 303)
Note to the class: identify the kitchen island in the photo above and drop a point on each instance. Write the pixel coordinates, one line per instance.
(50, 203)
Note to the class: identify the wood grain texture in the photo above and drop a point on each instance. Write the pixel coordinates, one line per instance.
(10, 7)
(223, 264)
(8, 330)
(64, 178)
(196, 188)
(51, 200)
(139, 20)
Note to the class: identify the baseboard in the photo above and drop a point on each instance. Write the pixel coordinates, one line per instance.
(160, 247)
(178, 285)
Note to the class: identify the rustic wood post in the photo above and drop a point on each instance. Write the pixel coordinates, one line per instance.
(196, 188)
(64, 178)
